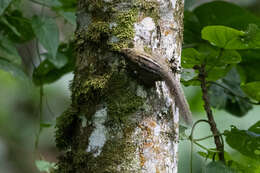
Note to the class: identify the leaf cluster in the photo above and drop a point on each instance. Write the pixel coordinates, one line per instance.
(224, 40)
(18, 29)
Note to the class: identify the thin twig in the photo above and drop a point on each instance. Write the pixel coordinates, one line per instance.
(192, 141)
(219, 143)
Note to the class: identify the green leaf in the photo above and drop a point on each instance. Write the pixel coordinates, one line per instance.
(45, 125)
(3, 5)
(224, 13)
(252, 89)
(13, 69)
(222, 98)
(190, 57)
(50, 3)
(69, 5)
(47, 72)
(248, 143)
(230, 57)
(249, 67)
(255, 128)
(8, 50)
(213, 56)
(224, 37)
(47, 33)
(217, 167)
(69, 16)
(217, 72)
(192, 28)
(44, 166)
(191, 82)
(21, 24)
(3, 20)
(60, 60)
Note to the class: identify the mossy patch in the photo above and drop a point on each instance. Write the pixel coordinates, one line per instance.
(66, 126)
(97, 31)
(122, 33)
(122, 99)
(115, 28)
(82, 161)
(149, 8)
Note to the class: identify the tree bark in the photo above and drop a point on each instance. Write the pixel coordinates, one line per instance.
(120, 119)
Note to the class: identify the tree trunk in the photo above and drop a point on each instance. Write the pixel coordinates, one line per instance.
(120, 120)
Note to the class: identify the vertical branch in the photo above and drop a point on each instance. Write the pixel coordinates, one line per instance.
(213, 126)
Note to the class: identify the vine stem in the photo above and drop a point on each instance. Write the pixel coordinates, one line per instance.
(213, 127)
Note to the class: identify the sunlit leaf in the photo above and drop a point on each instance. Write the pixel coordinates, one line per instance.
(230, 38)
(252, 89)
(44, 166)
(224, 37)
(255, 128)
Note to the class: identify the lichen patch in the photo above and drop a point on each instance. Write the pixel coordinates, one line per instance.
(98, 137)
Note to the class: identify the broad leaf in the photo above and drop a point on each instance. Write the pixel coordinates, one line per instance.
(248, 143)
(4, 21)
(252, 89)
(255, 128)
(13, 69)
(20, 24)
(225, 98)
(8, 50)
(190, 57)
(230, 57)
(192, 28)
(47, 72)
(47, 33)
(224, 37)
(213, 56)
(224, 13)
(3, 5)
(217, 72)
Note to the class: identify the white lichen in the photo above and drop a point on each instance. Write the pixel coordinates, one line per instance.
(98, 137)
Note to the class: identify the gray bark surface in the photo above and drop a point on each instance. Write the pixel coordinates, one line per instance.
(121, 120)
